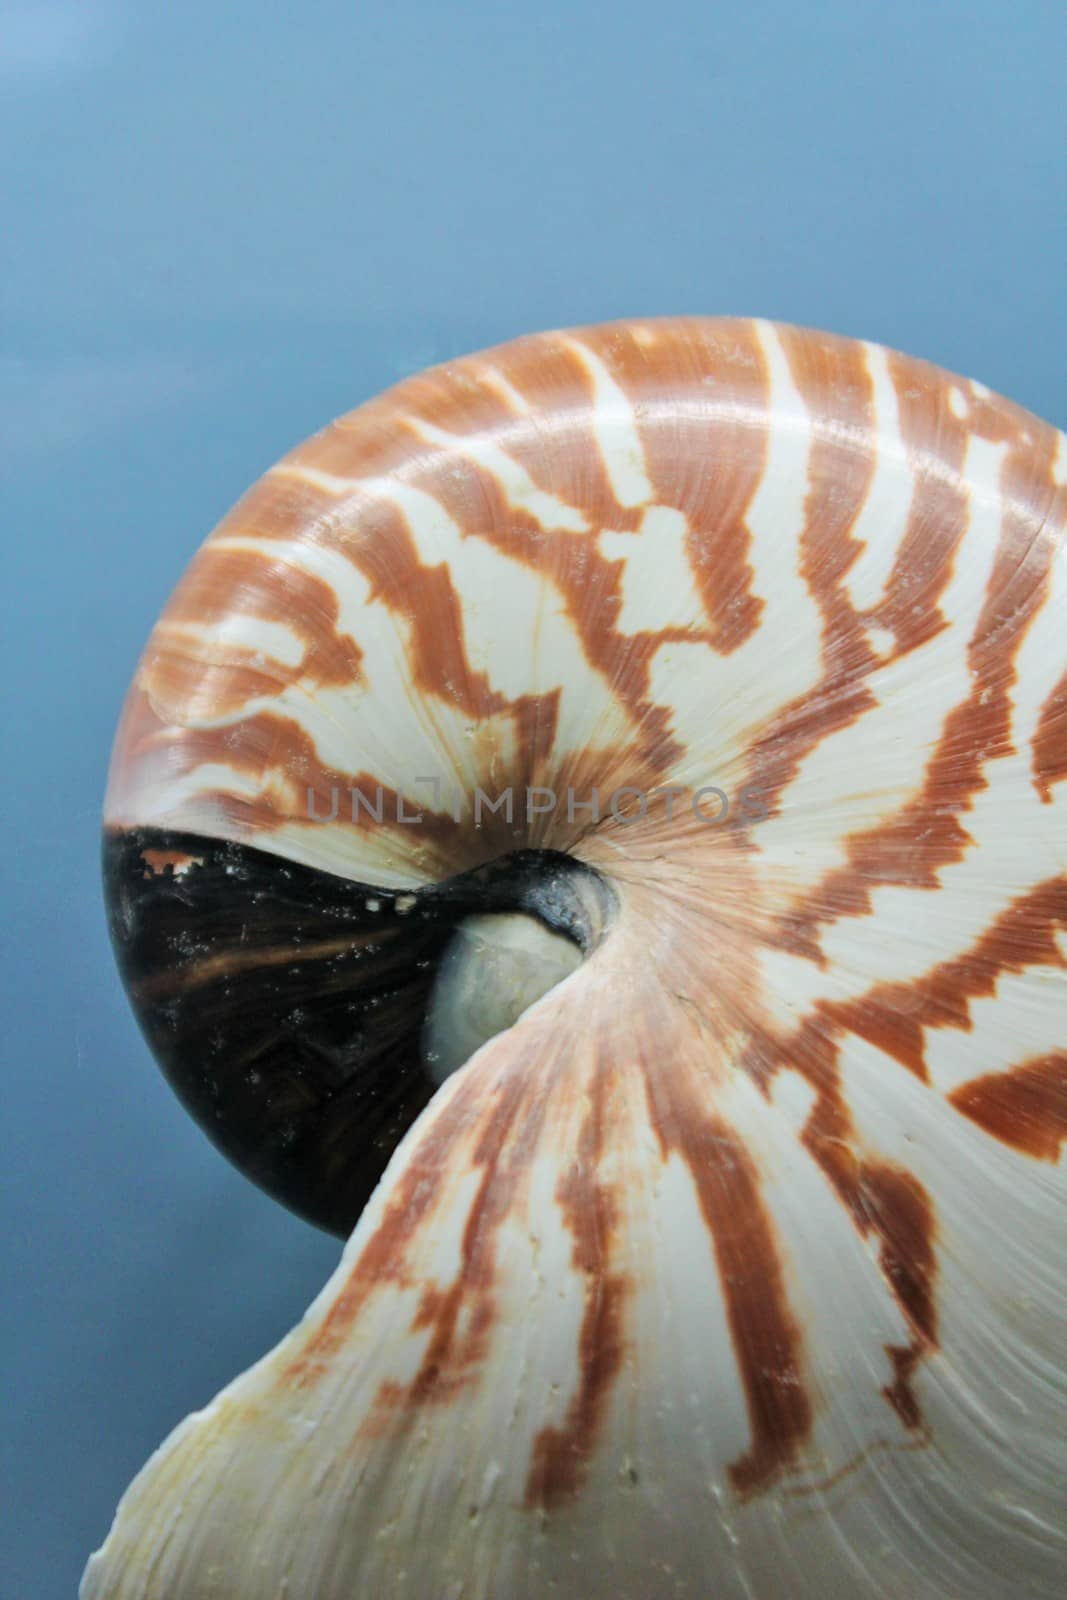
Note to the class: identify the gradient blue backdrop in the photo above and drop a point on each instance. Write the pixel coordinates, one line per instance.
(222, 226)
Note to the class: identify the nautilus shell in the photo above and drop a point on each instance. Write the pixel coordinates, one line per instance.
(591, 822)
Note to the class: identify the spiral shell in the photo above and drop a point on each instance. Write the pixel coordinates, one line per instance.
(734, 1265)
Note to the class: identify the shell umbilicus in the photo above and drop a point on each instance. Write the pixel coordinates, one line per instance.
(592, 822)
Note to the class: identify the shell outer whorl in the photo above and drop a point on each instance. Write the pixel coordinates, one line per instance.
(742, 1251)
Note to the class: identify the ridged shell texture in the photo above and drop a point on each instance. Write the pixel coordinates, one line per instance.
(734, 1268)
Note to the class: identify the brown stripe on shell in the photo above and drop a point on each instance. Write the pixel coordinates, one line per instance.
(893, 1016)
(383, 1260)
(551, 438)
(587, 583)
(898, 1210)
(928, 832)
(425, 597)
(519, 1097)
(892, 1204)
(834, 381)
(557, 443)
(767, 1338)
(1025, 1107)
(935, 439)
(272, 742)
(568, 560)
(365, 446)
(450, 1361)
(561, 1454)
(705, 457)
(1049, 751)
(208, 969)
(183, 675)
(461, 1315)
(657, 365)
(881, 1198)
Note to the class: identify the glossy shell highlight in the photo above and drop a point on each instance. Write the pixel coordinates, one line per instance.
(736, 1265)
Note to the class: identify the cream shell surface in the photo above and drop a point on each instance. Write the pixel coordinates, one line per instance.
(735, 1265)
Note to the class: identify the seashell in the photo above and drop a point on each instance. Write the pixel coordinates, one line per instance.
(697, 1118)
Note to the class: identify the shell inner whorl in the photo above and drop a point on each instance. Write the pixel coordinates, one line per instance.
(498, 963)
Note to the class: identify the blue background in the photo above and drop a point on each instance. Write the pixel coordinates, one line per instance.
(221, 227)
